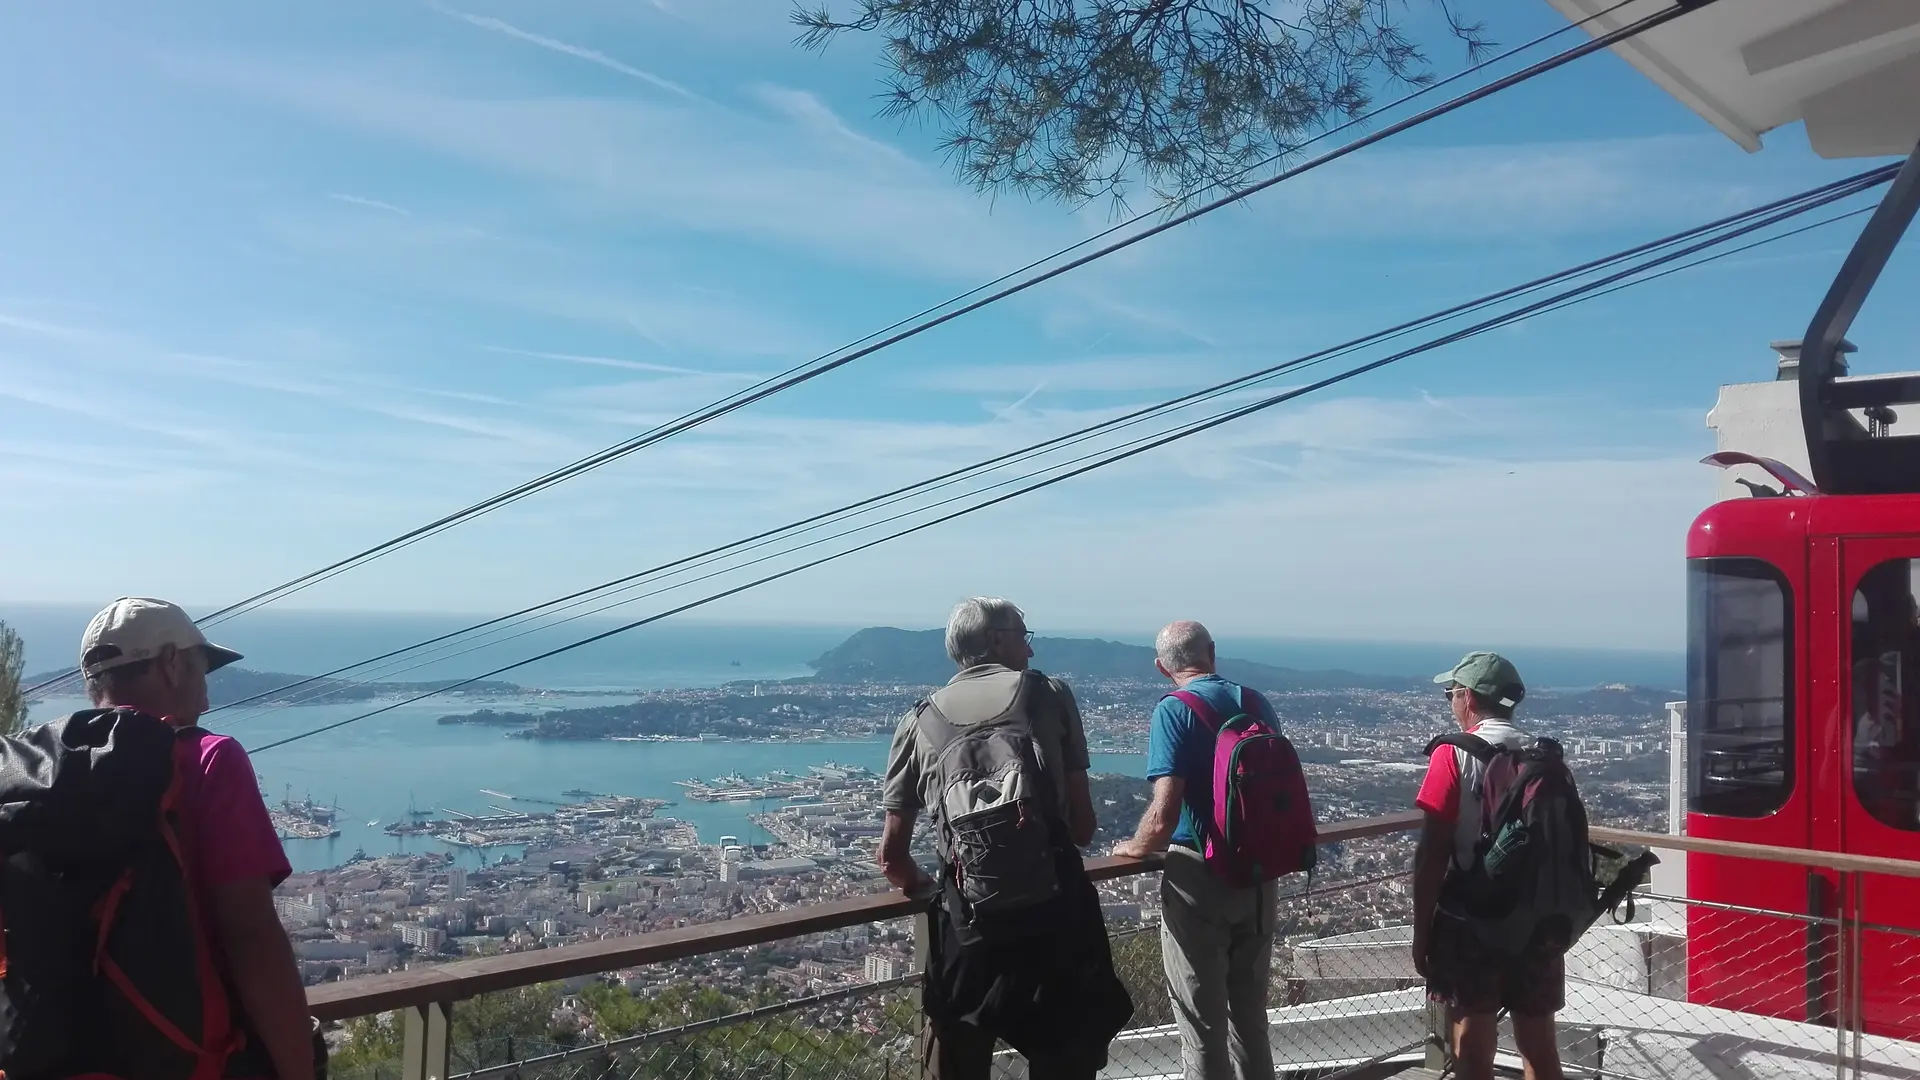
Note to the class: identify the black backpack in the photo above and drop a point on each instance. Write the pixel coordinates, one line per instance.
(995, 813)
(104, 968)
(1536, 881)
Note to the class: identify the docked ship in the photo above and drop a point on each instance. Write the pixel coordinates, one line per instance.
(304, 820)
(736, 788)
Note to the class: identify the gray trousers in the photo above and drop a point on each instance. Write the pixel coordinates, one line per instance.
(1216, 942)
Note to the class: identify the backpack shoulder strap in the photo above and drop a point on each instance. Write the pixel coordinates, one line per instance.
(1036, 691)
(932, 730)
(1482, 750)
(1199, 707)
(1250, 708)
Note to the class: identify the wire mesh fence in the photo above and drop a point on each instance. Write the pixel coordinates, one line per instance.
(1693, 988)
(718, 1024)
(864, 1032)
(1684, 988)
(603, 1032)
(1881, 989)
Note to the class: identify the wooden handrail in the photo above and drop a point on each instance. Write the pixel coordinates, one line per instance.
(463, 979)
(1819, 860)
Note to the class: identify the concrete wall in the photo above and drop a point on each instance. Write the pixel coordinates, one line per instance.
(1762, 419)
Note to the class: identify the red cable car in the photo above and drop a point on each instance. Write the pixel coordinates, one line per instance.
(1803, 686)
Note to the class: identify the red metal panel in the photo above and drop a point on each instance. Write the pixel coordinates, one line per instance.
(1890, 976)
(1822, 545)
(1736, 961)
(1860, 516)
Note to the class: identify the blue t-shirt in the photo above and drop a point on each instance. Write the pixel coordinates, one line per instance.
(1180, 744)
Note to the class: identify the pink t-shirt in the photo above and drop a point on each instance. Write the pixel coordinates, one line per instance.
(224, 823)
(225, 831)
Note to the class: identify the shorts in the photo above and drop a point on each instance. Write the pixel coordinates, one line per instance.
(1471, 979)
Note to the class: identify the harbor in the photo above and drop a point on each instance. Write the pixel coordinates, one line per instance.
(303, 820)
(405, 776)
(505, 826)
(819, 781)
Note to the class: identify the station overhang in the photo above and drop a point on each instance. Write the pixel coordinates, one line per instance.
(1850, 69)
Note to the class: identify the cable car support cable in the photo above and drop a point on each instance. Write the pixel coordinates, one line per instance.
(1601, 286)
(1809, 199)
(806, 372)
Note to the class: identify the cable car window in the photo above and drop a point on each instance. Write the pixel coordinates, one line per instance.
(1739, 688)
(1886, 708)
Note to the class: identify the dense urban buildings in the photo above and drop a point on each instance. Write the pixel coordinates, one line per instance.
(608, 865)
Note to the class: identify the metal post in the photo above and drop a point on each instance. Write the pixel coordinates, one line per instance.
(1825, 959)
(427, 1035)
(1859, 1007)
(922, 957)
(1843, 996)
(922, 949)
(1439, 1037)
(1851, 1022)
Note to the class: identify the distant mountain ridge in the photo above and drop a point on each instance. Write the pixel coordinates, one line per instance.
(231, 684)
(887, 654)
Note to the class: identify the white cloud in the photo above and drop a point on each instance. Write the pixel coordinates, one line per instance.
(41, 328)
(1524, 190)
(1105, 374)
(616, 362)
(817, 116)
(647, 294)
(592, 56)
(371, 204)
(685, 165)
(1333, 516)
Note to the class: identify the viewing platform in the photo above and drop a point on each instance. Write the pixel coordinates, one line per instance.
(1345, 1002)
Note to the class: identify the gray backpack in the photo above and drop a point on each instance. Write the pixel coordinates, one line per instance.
(995, 812)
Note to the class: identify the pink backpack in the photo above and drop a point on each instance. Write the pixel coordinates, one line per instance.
(1262, 824)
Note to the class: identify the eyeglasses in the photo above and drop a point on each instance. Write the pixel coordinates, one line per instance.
(1452, 690)
(1027, 634)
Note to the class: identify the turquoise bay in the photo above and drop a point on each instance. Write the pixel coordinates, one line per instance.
(375, 767)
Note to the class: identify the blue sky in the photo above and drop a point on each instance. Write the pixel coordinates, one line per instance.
(281, 281)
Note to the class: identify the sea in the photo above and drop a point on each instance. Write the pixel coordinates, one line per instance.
(379, 768)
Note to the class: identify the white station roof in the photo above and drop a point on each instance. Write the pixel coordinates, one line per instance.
(1849, 68)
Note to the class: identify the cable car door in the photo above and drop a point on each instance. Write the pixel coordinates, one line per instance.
(1747, 742)
(1874, 796)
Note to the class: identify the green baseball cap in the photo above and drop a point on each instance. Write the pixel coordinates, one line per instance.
(1488, 674)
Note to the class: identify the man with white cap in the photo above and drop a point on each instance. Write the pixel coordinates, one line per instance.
(147, 655)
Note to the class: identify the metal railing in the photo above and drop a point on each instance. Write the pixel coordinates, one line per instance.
(1687, 988)
(428, 1037)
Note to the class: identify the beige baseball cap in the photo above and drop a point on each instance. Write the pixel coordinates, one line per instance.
(134, 628)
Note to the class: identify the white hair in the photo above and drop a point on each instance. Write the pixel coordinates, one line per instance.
(970, 628)
(1184, 646)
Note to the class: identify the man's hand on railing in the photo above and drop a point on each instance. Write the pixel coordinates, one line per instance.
(1134, 848)
(918, 885)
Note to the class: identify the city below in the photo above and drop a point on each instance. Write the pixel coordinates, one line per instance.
(588, 865)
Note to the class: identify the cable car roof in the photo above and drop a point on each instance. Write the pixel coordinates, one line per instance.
(1849, 68)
